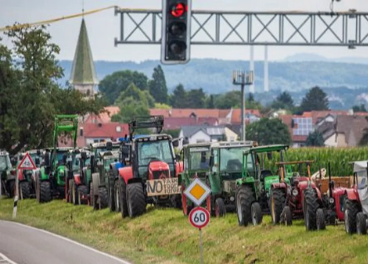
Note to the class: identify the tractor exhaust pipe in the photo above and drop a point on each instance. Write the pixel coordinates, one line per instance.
(329, 179)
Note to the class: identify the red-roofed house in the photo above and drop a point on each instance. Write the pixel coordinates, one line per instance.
(251, 115)
(104, 117)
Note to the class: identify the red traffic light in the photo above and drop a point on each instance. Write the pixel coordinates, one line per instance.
(178, 10)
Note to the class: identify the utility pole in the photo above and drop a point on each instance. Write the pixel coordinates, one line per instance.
(242, 79)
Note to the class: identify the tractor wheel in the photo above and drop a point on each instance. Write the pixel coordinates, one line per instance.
(123, 198)
(135, 199)
(361, 225)
(277, 203)
(286, 216)
(116, 197)
(310, 208)
(11, 188)
(24, 190)
(320, 219)
(244, 200)
(111, 194)
(74, 193)
(186, 208)
(82, 191)
(256, 213)
(220, 208)
(45, 192)
(92, 197)
(102, 198)
(351, 211)
(69, 197)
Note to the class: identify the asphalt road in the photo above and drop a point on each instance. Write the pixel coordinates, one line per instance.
(26, 245)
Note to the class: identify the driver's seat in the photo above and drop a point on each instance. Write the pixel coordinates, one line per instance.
(265, 173)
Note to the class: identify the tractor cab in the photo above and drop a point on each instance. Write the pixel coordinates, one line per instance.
(107, 158)
(7, 174)
(99, 147)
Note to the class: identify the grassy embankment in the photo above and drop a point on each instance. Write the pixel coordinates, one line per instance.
(165, 236)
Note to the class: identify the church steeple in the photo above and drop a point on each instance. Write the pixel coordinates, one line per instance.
(83, 76)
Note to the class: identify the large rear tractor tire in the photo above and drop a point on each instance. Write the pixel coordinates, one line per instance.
(111, 194)
(244, 201)
(277, 203)
(123, 198)
(310, 209)
(351, 211)
(93, 198)
(11, 188)
(25, 190)
(220, 208)
(45, 192)
(116, 197)
(102, 198)
(320, 219)
(82, 191)
(361, 224)
(135, 199)
(256, 213)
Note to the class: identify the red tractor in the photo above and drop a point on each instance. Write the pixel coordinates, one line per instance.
(152, 174)
(356, 202)
(296, 198)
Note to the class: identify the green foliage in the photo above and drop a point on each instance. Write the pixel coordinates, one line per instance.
(283, 101)
(196, 98)
(162, 106)
(315, 139)
(364, 140)
(211, 102)
(268, 131)
(178, 98)
(228, 100)
(315, 99)
(359, 108)
(112, 85)
(29, 94)
(157, 86)
(172, 132)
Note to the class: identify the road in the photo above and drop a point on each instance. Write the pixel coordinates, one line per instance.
(27, 245)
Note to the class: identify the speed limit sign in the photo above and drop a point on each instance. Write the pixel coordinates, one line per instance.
(199, 217)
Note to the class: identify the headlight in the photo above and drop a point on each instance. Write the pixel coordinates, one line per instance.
(232, 198)
(331, 200)
(295, 192)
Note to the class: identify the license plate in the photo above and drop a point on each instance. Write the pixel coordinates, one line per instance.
(163, 187)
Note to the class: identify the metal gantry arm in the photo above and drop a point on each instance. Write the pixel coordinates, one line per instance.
(348, 29)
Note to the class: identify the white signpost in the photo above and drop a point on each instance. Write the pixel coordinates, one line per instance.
(25, 164)
(199, 217)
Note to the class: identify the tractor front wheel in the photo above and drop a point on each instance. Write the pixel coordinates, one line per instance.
(244, 200)
(82, 191)
(220, 208)
(320, 219)
(25, 190)
(11, 188)
(116, 197)
(286, 216)
(277, 203)
(45, 192)
(136, 200)
(310, 208)
(351, 211)
(123, 198)
(256, 213)
(361, 224)
(102, 198)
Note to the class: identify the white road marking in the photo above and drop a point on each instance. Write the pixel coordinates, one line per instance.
(5, 260)
(71, 241)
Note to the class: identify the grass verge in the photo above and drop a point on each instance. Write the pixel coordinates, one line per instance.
(165, 236)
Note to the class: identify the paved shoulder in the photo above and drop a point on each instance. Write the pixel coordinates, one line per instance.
(27, 245)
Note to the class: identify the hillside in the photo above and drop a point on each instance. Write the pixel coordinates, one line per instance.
(214, 76)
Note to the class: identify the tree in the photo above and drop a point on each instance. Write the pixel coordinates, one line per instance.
(315, 139)
(141, 97)
(228, 100)
(283, 101)
(359, 108)
(29, 93)
(211, 102)
(268, 131)
(179, 96)
(315, 99)
(196, 98)
(157, 86)
(112, 85)
(162, 106)
(250, 98)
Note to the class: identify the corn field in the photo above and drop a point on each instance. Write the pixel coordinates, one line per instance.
(338, 157)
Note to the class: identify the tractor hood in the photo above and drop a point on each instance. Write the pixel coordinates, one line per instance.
(158, 170)
(269, 180)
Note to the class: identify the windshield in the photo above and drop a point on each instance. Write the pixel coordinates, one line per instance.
(362, 179)
(148, 151)
(5, 162)
(109, 160)
(199, 158)
(103, 149)
(231, 159)
(76, 162)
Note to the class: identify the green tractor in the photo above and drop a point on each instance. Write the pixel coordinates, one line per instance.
(196, 165)
(225, 169)
(100, 184)
(51, 179)
(7, 175)
(254, 187)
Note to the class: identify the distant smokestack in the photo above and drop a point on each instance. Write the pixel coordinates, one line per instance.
(252, 87)
(265, 78)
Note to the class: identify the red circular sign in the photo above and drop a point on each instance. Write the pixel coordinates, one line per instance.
(199, 217)
(178, 10)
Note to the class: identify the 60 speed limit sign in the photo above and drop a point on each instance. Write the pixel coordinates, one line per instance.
(199, 217)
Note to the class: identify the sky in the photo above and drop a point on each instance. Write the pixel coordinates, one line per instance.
(104, 27)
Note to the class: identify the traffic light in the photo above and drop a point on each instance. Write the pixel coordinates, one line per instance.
(175, 46)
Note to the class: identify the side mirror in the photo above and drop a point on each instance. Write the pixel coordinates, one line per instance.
(175, 143)
(109, 146)
(211, 161)
(269, 155)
